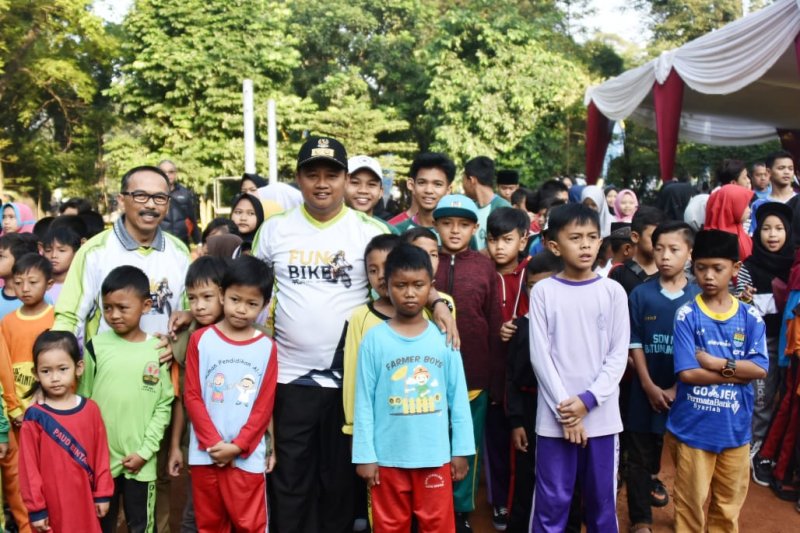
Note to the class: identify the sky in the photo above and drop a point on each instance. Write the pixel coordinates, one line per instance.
(611, 16)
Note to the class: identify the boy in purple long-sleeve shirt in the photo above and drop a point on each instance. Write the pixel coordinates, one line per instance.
(579, 330)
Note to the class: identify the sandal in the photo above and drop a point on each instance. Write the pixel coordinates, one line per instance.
(659, 496)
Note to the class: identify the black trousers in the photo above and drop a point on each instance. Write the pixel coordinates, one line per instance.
(524, 474)
(139, 503)
(644, 458)
(312, 484)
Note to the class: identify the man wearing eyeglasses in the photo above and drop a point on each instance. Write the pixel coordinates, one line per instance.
(181, 217)
(135, 239)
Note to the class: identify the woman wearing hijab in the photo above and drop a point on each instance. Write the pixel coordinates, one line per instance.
(17, 218)
(594, 197)
(574, 194)
(695, 213)
(625, 205)
(727, 210)
(248, 214)
(251, 183)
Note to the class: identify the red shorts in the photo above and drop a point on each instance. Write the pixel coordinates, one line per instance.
(229, 498)
(426, 493)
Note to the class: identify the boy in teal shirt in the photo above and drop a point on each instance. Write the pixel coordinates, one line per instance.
(413, 429)
(134, 393)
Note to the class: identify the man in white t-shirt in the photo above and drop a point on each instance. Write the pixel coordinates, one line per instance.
(317, 253)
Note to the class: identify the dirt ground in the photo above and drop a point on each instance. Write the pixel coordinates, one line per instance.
(762, 512)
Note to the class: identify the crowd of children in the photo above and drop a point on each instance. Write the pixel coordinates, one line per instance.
(555, 341)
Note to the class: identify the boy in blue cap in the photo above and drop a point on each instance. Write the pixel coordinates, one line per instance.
(469, 277)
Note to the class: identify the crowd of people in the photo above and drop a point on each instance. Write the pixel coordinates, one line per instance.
(317, 367)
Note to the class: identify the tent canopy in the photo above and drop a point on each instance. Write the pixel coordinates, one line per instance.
(738, 85)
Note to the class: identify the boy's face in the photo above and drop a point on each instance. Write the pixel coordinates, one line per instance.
(505, 249)
(6, 262)
(455, 232)
(376, 260)
(204, 302)
(781, 173)
(241, 305)
(408, 291)
(430, 246)
(60, 256)
(533, 279)
(9, 220)
(577, 245)
(429, 187)
(123, 309)
(363, 191)
(644, 242)
(30, 286)
(505, 191)
(671, 253)
(714, 274)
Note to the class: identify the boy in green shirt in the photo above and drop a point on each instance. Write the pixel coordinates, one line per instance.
(134, 392)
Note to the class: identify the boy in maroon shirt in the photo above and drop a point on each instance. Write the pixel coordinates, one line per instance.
(470, 278)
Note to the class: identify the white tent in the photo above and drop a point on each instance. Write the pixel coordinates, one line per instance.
(740, 85)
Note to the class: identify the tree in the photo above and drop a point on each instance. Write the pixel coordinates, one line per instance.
(675, 22)
(55, 60)
(497, 91)
(179, 89)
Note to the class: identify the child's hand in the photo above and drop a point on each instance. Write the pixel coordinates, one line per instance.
(272, 460)
(708, 361)
(3, 449)
(18, 420)
(576, 434)
(459, 467)
(101, 509)
(519, 439)
(133, 463)
(37, 397)
(747, 294)
(444, 320)
(658, 398)
(507, 330)
(572, 411)
(369, 473)
(175, 462)
(223, 453)
(164, 348)
(41, 525)
(178, 321)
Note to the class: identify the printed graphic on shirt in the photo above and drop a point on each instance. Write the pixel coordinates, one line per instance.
(217, 386)
(714, 398)
(160, 293)
(150, 375)
(246, 388)
(420, 395)
(319, 266)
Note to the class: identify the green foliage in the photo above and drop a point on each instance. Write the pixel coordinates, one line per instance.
(675, 22)
(55, 60)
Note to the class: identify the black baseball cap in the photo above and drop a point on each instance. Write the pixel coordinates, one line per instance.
(322, 148)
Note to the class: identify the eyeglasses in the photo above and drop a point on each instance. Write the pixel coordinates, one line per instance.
(141, 197)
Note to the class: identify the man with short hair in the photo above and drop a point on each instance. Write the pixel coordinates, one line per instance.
(181, 217)
(478, 182)
(759, 174)
(135, 239)
(507, 183)
(781, 170)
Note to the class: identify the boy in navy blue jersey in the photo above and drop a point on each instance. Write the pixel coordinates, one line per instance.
(720, 347)
(652, 307)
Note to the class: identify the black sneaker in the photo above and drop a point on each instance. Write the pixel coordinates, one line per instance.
(500, 518)
(762, 471)
(462, 523)
(659, 497)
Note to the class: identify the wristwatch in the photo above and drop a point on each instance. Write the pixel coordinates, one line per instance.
(730, 369)
(442, 300)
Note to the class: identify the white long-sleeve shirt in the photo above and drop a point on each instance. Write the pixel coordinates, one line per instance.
(579, 333)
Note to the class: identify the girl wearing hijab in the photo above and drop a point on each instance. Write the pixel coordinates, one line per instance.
(594, 197)
(17, 218)
(611, 197)
(625, 205)
(695, 213)
(727, 210)
(248, 214)
(771, 260)
(251, 183)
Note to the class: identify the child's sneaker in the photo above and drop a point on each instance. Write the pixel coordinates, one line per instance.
(462, 523)
(500, 518)
(762, 471)
(787, 493)
(659, 497)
